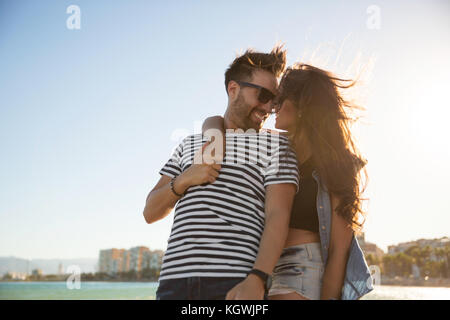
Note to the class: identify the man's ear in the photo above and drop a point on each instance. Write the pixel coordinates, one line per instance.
(233, 90)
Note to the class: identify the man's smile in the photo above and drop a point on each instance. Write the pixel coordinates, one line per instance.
(258, 115)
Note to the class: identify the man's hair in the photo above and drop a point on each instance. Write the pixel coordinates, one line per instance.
(243, 66)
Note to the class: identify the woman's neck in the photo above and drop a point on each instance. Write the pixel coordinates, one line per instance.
(303, 148)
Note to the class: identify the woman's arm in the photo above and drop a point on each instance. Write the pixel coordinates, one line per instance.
(338, 252)
(215, 127)
(215, 122)
(278, 206)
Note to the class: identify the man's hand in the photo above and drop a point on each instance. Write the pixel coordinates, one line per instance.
(252, 288)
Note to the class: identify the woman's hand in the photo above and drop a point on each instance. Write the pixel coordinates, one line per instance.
(199, 174)
(214, 128)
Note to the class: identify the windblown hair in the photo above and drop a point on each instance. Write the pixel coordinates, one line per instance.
(324, 123)
(242, 68)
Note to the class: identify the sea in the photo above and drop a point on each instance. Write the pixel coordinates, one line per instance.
(147, 291)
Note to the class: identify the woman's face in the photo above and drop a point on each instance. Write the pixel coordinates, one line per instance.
(286, 116)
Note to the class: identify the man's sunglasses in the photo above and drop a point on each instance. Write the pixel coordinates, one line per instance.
(264, 96)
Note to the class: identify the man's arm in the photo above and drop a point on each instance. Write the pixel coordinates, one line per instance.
(278, 206)
(161, 200)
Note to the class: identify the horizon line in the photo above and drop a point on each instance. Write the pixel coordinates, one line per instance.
(12, 256)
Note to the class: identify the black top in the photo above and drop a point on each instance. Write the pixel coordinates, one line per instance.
(304, 210)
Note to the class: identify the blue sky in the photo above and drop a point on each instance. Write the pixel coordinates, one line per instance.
(88, 117)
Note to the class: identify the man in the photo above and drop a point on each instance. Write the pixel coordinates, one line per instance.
(231, 220)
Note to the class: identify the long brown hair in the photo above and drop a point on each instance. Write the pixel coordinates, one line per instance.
(322, 119)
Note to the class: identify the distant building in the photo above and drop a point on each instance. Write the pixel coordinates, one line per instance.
(369, 248)
(156, 260)
(15, 275)
(114, 260)
(421, 243)
(36, 273)
(111, 260)
(137, 256)
(125, 261)
(152, 259)
(60, 269)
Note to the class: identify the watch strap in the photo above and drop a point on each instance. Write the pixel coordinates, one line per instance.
(261, 274)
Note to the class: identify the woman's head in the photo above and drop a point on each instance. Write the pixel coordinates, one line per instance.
(311, 108)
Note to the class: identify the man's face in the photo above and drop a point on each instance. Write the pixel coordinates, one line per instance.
(248, 111)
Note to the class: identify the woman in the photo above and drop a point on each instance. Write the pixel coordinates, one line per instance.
(311, 109)
(321, 258)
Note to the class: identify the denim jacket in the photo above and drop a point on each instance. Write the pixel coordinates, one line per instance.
(358, 279)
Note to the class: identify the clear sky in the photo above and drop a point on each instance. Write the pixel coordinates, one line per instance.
(88, 116)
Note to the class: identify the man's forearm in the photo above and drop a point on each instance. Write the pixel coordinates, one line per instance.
(161, 201)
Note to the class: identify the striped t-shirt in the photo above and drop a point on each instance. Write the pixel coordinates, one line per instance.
(217, 226)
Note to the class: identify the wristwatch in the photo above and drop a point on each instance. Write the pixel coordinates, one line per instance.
(261, 274)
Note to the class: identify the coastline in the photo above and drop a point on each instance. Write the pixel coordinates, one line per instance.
(411, 282)
(385, 281)
(131, 290)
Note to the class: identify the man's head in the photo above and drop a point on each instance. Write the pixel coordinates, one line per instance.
(251, 83)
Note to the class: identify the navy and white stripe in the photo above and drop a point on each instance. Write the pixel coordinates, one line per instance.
(217, 227)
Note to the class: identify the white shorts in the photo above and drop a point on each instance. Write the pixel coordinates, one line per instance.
(299, 269)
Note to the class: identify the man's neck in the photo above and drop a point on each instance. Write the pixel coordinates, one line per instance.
(228, 122)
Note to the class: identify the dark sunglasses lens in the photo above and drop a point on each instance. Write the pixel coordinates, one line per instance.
(265, 95)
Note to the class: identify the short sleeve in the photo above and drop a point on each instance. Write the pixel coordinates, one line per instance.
(282, 167)
(172, 168)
